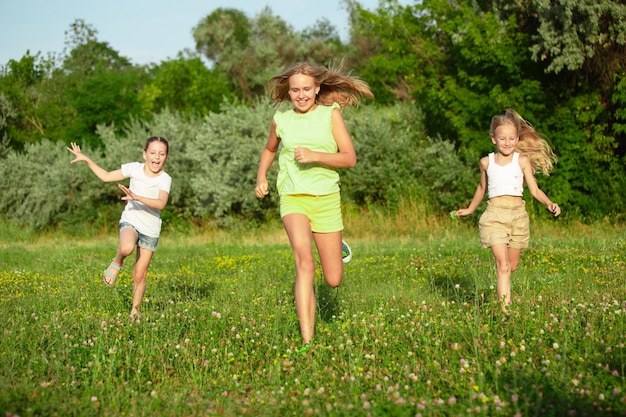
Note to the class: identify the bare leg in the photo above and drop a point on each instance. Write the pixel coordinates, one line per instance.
(128, 240)
(299, 232)
(329, 248)
(514, 257)
(140, 272)
(503, 272)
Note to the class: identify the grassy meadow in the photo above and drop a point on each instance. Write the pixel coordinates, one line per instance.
(414, 330)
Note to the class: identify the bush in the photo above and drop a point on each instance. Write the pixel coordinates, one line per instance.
(213, 163)
(396, 160)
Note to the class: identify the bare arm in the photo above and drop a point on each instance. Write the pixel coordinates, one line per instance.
(155, 203)
(267, 157)
(344, 158)
(103, 174)
(534, 189)
(480, 192)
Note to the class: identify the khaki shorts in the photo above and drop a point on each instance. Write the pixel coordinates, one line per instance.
(323, 211)
(505, 224)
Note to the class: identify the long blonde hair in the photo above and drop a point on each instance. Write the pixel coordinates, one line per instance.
(335, 85)
(530, 143)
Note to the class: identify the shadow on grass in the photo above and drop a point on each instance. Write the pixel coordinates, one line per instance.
(460, 289)
(545, 396)
(327, 304)
(183, 291)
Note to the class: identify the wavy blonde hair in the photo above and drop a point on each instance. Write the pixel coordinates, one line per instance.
(336, 86)
(530, 143)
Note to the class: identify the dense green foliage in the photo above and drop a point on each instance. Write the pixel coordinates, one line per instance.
(559, 64)
(414, 329)
(462, 62)
(213, 162)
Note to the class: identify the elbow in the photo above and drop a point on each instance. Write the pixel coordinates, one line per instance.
(351, 163)
(161, 206)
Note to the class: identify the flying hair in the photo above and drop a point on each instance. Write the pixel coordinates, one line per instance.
(336, 86)
(536, 148)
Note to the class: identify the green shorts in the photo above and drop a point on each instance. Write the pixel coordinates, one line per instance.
(505, 224)
(323, 211)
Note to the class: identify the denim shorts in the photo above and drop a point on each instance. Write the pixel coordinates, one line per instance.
(323, 211)
(146, 242)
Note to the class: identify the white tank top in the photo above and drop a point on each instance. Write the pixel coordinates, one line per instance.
(505, 179)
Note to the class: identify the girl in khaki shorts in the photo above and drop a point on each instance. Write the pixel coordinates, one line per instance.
(504, 225)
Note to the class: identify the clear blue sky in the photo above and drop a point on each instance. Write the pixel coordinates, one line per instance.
(143, 30)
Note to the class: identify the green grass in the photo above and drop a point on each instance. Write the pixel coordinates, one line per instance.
(413, 330)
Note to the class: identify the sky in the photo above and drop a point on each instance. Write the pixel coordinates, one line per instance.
(146, 31)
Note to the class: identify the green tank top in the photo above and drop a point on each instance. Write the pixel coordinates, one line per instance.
(313, 130)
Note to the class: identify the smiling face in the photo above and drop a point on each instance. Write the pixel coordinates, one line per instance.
(505, 138)
(302, 92)
(155, 156)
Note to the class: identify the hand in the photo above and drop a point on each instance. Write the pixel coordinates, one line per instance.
(261, 189)
(129, 194)
(303, 155)
(77, 153)
(554, 208)
(463, 212)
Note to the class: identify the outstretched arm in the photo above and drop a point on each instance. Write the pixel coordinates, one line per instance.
(534, 189)
(103, 174)
(481, 190)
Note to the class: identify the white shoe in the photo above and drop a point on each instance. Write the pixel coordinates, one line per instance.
(346, 252)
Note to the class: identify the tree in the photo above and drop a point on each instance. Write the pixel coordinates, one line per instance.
(98, 85)
(251, 51)
(20, 98)
(186, 85)
(464, 61)
(588, 35)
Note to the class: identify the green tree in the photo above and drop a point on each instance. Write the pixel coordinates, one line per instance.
(588, 35)
(185, 85)
(20, 98)
(465, 61)
(251, 51)
(98, 85)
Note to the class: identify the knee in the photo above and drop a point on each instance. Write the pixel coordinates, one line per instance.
(305, 266)
(334, 283)
(504, 266)
(125, 249)
(334, 280)
(139, 277)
